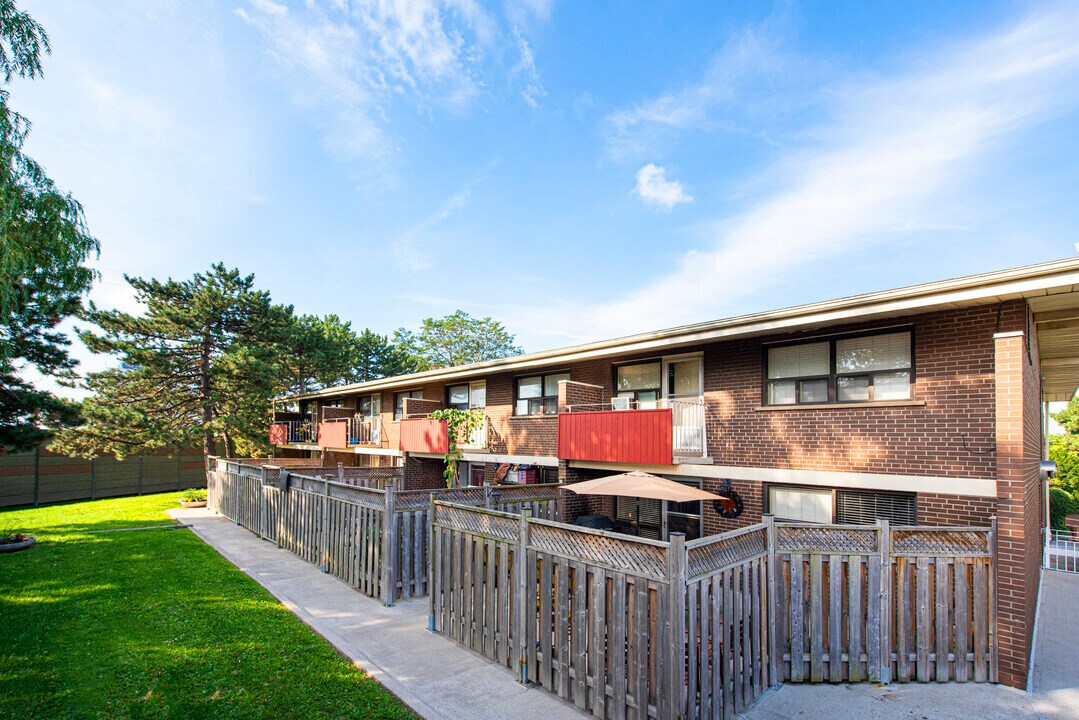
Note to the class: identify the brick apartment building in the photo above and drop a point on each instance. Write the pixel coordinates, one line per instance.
(924, 405)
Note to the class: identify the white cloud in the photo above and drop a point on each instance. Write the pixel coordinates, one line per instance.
(408, 249)
(656, 190)
(533, 91)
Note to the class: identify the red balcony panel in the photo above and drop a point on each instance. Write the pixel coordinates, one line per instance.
(425, 435)
(641, 437)
(333, 434)
(279, 434)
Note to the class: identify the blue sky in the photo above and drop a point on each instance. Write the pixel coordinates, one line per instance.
(576, 170)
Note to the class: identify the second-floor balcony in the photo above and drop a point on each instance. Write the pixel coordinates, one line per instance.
(425, 434)
(293, 432)
(622, 431)
(349, 432)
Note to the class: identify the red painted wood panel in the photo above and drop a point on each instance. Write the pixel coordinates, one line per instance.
(643, 437)
(425, 435)
(279, 434)
(333, 435)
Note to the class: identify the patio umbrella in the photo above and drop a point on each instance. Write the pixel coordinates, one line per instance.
(640, 484)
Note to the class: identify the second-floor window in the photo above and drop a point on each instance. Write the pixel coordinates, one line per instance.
(538, 395)
(399, 402)
(861, 368)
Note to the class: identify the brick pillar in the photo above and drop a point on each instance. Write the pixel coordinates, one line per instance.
(1019, 499)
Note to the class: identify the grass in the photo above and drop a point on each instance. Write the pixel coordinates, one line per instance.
(156, 624)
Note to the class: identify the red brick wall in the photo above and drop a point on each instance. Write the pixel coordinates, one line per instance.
(510, 434)
(955, 510)
(752, 493)
(1019, 491)
(953, 354)
(423, 474)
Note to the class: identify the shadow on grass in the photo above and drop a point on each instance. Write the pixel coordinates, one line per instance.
(156, 624)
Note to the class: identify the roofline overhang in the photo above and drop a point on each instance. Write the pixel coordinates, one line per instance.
(987, 288)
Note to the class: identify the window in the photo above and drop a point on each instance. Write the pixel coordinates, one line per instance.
(800, 504)
(639, 384)
(468, 395)
(399, 402)
(858, 507)
(538, 395)
(863, 368)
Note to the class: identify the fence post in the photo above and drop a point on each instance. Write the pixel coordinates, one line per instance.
(389, 547)
(325, 529)
(521, 620)
(260, 499)
(93, 478)
(676, 665)
(140, 474)
(236, 492)
(773, 640)
(885, 601)
(431, 565)
(341, 473)
(994, 675)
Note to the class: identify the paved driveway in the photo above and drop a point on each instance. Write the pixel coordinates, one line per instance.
(1055, 681)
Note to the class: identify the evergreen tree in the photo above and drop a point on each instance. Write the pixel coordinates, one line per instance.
(319, 353)
(44, 243)
(456, 339)
(378, 357)
(199, 365)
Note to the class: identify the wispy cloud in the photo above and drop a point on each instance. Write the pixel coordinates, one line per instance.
(739, 90)
(348, 62)
(533, 91)
(407, 248)
(894, 149)
(656, 190)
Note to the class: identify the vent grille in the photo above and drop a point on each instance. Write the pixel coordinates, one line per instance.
(854, 507)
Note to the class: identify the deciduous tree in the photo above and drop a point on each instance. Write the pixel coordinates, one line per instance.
(456, 339)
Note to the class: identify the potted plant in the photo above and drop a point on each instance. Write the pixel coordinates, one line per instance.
(193, 498)
(14, 541)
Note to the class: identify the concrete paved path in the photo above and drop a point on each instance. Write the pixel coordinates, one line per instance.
(436, 677)
(1055, 679)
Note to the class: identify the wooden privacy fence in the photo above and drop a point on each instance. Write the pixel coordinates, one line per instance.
(373, 538)
(627, 627)
(886, 604)
(623, 627)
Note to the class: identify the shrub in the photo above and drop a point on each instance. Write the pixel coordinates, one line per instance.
(1061, 504)
(193, 495)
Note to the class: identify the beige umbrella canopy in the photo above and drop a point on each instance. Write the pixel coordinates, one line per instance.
(641, 485)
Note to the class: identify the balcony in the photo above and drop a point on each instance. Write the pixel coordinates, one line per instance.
(426, 435)
(347, 432)
(620, 432)
(292, 432)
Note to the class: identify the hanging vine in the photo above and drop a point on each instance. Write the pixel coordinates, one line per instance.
(460, 424)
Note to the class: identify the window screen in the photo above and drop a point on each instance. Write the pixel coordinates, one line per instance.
(861, 507)
(800, 504)
(875, 352)
(639, 377)
(798, 361)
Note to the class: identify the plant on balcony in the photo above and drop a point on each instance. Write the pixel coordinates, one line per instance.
(460, 424)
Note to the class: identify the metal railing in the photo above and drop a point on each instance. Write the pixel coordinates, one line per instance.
(690, 438)
(300, 431)
(477, 439)
(1062, 551)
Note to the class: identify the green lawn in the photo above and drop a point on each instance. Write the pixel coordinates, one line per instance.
(155, 624)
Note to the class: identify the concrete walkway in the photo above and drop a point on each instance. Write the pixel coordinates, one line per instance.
(434, 676)
(1055, 679)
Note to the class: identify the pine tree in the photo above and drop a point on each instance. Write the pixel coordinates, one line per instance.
(318, 353)
(198, 366)
(44, 243)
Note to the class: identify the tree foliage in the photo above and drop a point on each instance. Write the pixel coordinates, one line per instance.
(199, 365)
(44, 243)
(456, 339)
(1064, 450)
(317, 353)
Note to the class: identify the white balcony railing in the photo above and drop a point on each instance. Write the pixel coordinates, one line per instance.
(477, 439)
(689, 436)
(299, 431)
(1062, 551)
(365, 431)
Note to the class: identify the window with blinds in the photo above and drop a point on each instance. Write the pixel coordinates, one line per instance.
(862, 368)
(640, 516)
(862, 507)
